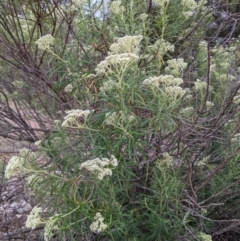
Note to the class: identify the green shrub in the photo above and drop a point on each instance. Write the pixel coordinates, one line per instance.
(146, 145)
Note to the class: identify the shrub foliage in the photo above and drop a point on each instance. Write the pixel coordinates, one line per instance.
(134, 111)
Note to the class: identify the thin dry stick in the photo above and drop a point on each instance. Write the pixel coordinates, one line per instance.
(228, 228)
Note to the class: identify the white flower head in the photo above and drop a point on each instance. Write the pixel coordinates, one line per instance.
(204, 161)
(38, 143)
(161, 47)
(188, 14)
(152, 81)
(116, 28)
(111, 118)
(143, 16)
(118, 61)
(50, 226)
(98, 166)
(188, 111)
(98, 226)
(104, 172)
(209, 104)
(236, 98)
(116, 8)
(188, 97)
(203, 44)
(176, 66)
(34, 219)
(78, 3)
(56, 122)
(113, 161)
(200, 85)
(68, 88)
(127, 44)
(72, 117)
(45, 42)
(189, 4)
(109, 85)
(122, 59)
(18, 83)
(122, 54)
(161, 3)
(166, 160)
(116, 118)
(175, 92)
(169, 80)
(204, 237)
(15, 167)
(236, 138)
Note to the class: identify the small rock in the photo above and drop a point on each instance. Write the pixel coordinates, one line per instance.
(13, 205)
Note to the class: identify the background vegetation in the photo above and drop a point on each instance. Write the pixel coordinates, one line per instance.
(130, 113)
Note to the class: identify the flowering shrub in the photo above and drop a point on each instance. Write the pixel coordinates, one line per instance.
(144, 134)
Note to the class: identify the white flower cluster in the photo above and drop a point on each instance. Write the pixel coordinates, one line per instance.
(230, 124)
(188, 14)
(159, 48)
(115, 118)
(98, 226)
(109, 85)
(34, 219)
(204, 237)
(49, 227)
(169, 85)
(14, 167)
(175, 92)
(236, 99)
(45, 42)
(221, 62)
(19, 84)
(116, 8)
(78, 3)
(204, 161)
(188, 111)
(68, 88)
(209, 104)
(127, 44)
(203, 44)
(116, 60)
(166, 160)
(74, 76)
(236, 138)
(176, 66)
(188, 97)
(143, 16)
(122, 54)
(72, 117)
(226, 77)
(97, 166)
(27, 154)
(163, 81)
(16, 164)
(191, 5)
(161, 3)
(200, 85)
(38, 143)
(71, 7)
(152, 81)
(202, 4)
